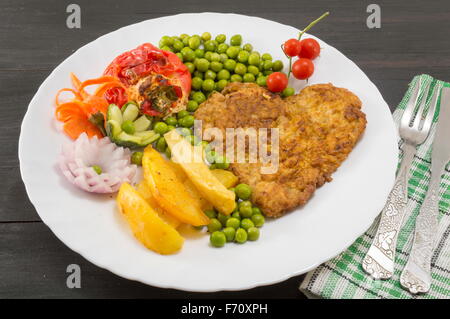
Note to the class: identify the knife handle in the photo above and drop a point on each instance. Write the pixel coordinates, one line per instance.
(379, 260)
(416, 276)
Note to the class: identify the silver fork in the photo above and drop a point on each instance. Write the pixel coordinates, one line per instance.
(414, 129)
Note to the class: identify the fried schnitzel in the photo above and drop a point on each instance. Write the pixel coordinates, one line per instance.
(318, 129)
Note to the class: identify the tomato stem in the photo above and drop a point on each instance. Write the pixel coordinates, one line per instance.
(300, 35)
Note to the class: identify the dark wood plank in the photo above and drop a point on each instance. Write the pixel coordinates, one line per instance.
(34, 39)
(33, 264)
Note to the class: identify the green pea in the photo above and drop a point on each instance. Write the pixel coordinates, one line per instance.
(183, 131)
(240, 236)
(253, 233)
(256, 210)
(221, 38)
(261, 80)
(236, 39)
(222, 48)
(202, 64)
(166, 41)
(236, 78)
(190, 66)
(194, 42)
(210, 45)
(222, 218)
(208, 55)
(229, 233)
(223, 57)
(196, 83)
(211, 213)
(288, 92)
(222, 162)
(261, 65)
(182, 113)
(248, 77)
(197, 74)
(199, 97)
(243, 191)
(266, 57)
(184, 35)
(245, 203)
(277, 65)
(267, 65)
(210, 74)
(215, 57)
(128, 127)
(233, 52)
(258, 220)
(187, 121)
(230, 64)
(243, 56)
(179, 55)
(211, 157)
(166, 48)
(253, 70)
(214, 225)
(247, 223)
(267, 72)
(236, 215)
(199, 53)
(253, 59)
(174, 38)
(245, 211)
(206, 36)
(185, 41)
(97, 169)
(217, 239)
(192, 106)
(233, 222)
(248, 47)
(221, 85)
(136, 158)
(216, 66)
(188, 54)
(208, 85)
(223, 75)
(240, 69)
(160, 128)
(161, 144)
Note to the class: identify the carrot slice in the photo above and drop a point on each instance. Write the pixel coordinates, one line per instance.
(75, 93)
(77, 85)
(77, 125)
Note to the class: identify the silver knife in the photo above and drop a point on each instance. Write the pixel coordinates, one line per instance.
(416, 276)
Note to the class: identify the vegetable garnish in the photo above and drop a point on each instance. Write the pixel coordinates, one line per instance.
(85, 113)
(156, 79)
(96, 165)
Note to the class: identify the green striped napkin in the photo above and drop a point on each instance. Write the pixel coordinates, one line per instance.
(343, 276)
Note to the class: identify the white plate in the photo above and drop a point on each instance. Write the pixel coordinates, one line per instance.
(90, 224)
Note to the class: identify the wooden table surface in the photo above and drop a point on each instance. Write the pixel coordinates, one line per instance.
(34, 39)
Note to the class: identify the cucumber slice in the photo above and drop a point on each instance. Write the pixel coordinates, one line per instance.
(128, 140)
(115, 114)
(113, 129)
(142, 124)
(150, 139)
(130, 113)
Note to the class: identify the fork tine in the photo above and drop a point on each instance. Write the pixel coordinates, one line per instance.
(412, 102)
(421, 109)
(432, 109)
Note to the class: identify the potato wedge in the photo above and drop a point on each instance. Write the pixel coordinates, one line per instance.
(169, 191)
(200, 175)
(145, 192)
(192, 190)
(145, 223)
(227, 178)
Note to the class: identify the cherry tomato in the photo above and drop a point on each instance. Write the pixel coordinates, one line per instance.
(303, 68)
(277, 82)
(310, 49)
(292, 47)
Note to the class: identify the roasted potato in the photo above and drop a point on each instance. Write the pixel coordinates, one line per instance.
(147, 226)
(169, 191)
(227, 178)
(200, 175)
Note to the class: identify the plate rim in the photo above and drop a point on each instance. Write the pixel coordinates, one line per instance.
(172, 286)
